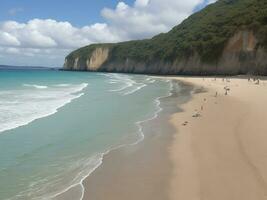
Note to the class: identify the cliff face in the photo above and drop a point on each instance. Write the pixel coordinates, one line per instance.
(241, 55)
(98, 58)
(228, 37)
(91, 63)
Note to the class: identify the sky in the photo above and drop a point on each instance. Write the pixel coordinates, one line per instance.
(43, 32)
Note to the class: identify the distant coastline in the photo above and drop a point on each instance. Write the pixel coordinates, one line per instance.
(11, 67)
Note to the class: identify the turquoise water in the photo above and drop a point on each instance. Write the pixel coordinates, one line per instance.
(55, 126)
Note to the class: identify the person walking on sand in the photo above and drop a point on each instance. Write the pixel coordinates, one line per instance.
(226, 90)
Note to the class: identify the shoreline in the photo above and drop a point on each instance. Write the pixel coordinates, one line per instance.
(109, 154)
(100, 182)
(207, 156)
(220, 154)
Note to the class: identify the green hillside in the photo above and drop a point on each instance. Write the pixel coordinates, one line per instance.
(205, 32)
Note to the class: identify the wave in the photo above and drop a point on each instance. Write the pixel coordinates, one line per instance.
(36, 86)
(63, 85)
(121, 79)
(21, 107)
(130, 86)
(134, 89)
(150, 80)
(92, 163)
(113, 82)
(99, 158)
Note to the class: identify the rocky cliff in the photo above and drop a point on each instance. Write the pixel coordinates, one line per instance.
(201, 45)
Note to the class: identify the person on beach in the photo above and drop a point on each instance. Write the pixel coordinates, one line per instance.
(226, 88)
(196, 114)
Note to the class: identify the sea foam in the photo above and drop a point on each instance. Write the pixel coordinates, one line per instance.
(36, 86)
(20, 107)
(126, 83)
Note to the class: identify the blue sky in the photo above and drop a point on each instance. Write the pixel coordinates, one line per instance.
(43, 32)
(79, 13)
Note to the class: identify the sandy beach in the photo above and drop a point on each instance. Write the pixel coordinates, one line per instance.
(211, 147)
(222, 153)
(141, 171)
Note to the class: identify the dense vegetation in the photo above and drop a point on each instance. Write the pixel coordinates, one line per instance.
(205, 32)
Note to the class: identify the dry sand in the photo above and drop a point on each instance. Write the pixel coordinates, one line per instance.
(221, 155)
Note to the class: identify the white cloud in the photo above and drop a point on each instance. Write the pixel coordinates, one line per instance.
(7, 39)
(211, 1)
(48, 33)
(147, 17)
(54, 39)
(141, 3)
(12, 50)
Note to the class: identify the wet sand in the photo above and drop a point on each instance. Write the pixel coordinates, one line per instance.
(141, 171)
(215, 149)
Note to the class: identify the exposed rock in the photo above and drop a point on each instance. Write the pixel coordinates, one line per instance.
(98, 58)
(241, 55)
(228, 37)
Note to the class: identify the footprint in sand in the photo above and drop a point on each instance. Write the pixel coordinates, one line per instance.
(185, 123)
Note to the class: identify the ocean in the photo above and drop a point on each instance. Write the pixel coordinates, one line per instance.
(56, 126)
